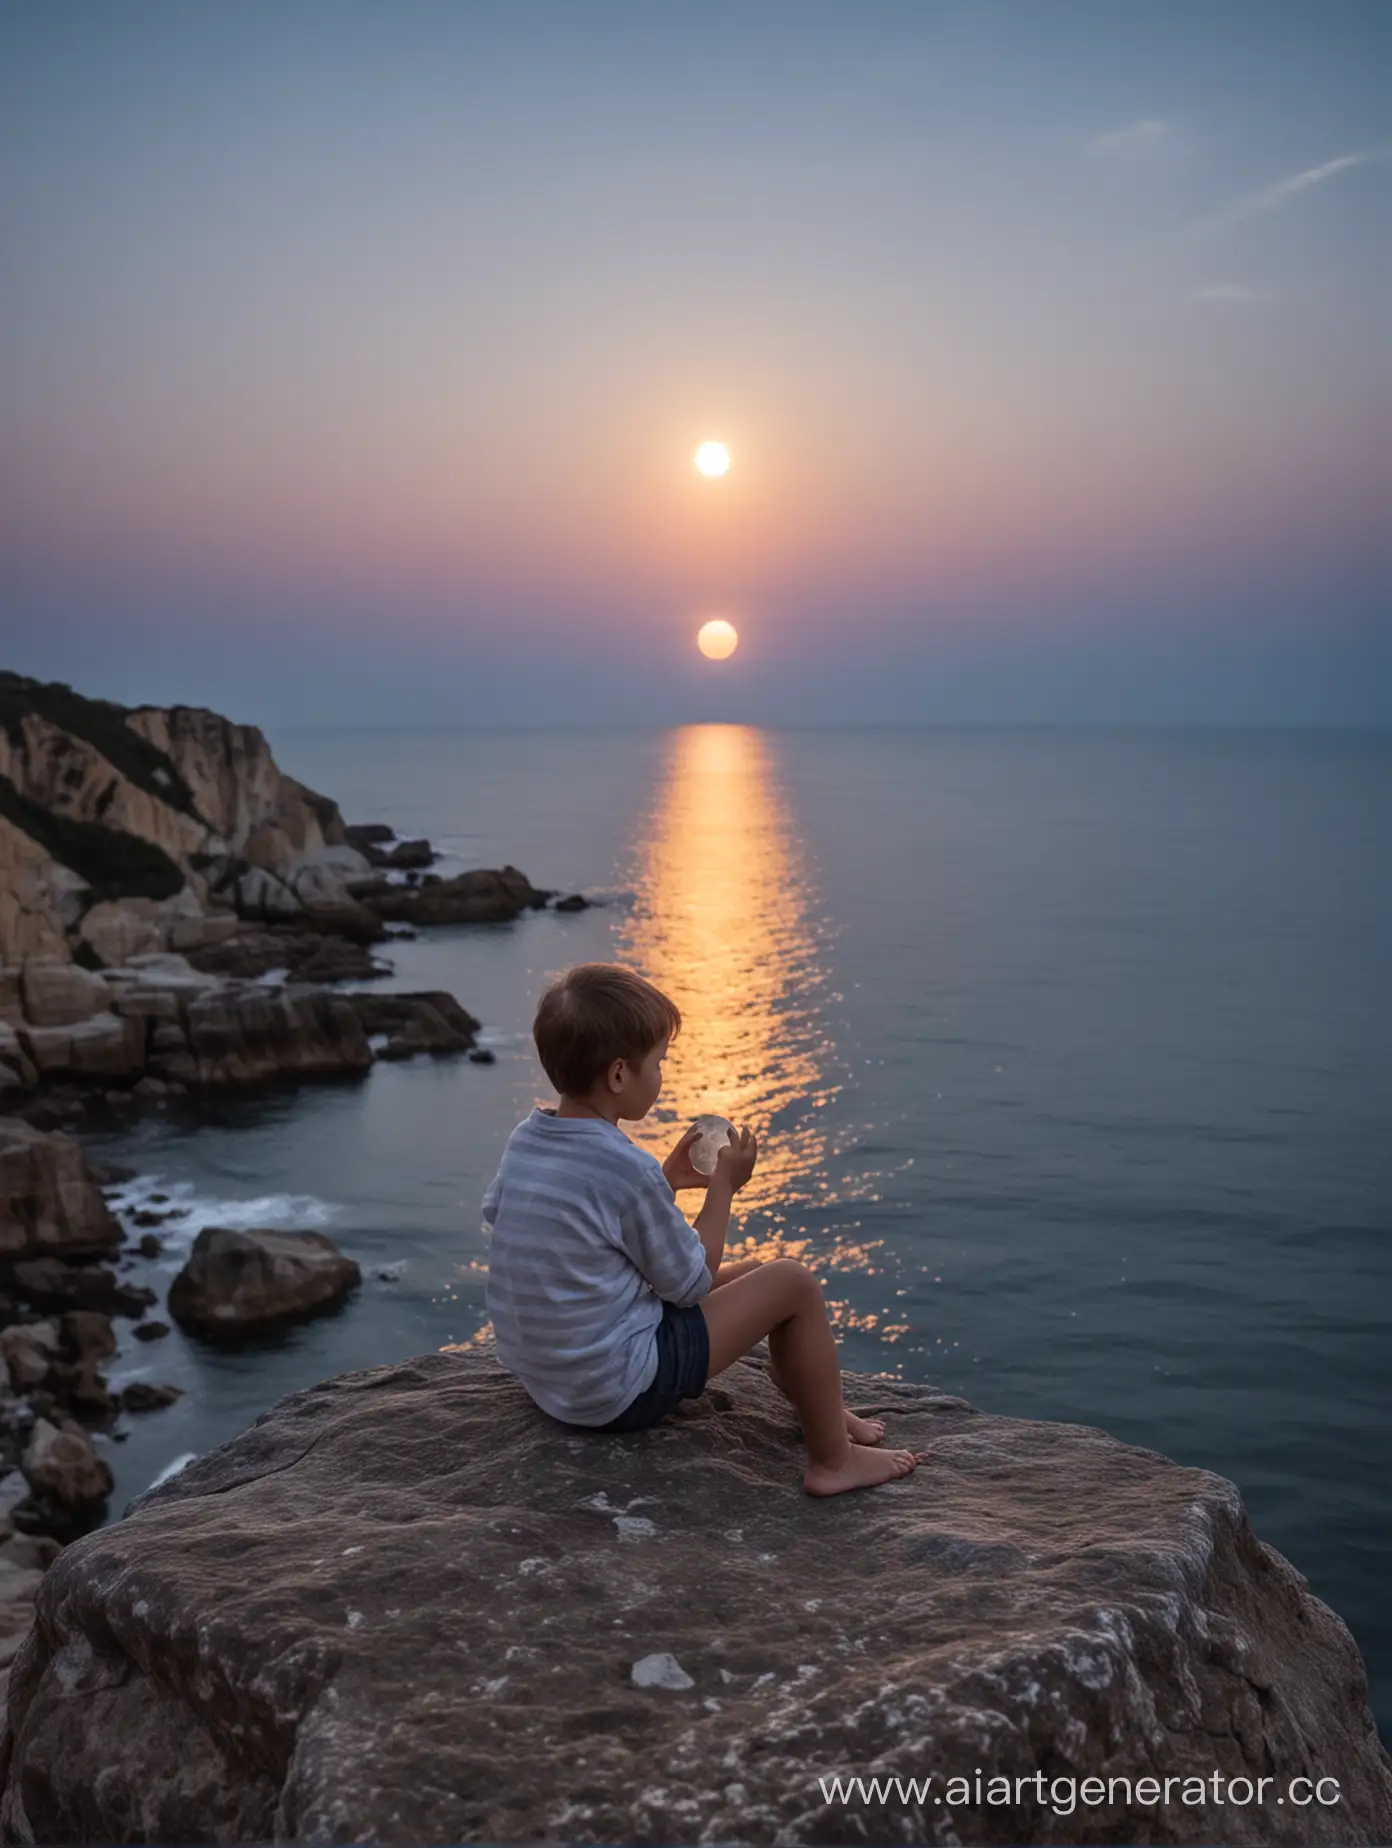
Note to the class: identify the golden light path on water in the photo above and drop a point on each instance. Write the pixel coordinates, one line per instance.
(725, 923)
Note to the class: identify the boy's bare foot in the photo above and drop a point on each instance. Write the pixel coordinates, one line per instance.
(864, 1468)
(864, 1430)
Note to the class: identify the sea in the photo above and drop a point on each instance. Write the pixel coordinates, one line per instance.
(1069, 1052)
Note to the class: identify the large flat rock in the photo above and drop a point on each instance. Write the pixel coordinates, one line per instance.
(405, 1606)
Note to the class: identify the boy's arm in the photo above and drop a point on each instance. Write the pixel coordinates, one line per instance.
(713, 1220)
(661, 1241)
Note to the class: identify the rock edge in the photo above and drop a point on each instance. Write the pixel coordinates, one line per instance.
(404, 1605)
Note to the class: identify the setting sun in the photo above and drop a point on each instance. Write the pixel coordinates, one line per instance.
(718, 640)
(713, 459)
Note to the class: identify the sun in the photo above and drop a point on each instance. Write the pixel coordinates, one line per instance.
(718, 640)
(713, 459)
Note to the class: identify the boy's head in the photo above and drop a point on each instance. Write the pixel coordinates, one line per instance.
(601, 1028)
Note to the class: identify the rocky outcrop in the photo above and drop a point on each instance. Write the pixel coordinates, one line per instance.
(63, 1466)
(243, 1036)
(56, 1332)
(433, 1023)
(236, 787)
(406, 1606)
(238, 1283)
(132, 839)
(124, 830)
(50, 1203)
(380, 847)
(161, 1027)
(52, 1284)
(39, 899)
(479, 897)
(23, 1558)
(300, 954)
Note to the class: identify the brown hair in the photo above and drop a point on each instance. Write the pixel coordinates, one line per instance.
(596, 1013)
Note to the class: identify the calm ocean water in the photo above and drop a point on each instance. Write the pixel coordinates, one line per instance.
(1069, 1053)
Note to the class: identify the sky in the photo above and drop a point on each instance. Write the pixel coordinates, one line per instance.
(353, 359)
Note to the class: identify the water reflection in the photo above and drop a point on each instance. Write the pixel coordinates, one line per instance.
(723, 924)
(726, 922)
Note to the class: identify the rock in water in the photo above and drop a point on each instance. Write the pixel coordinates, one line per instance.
(485, 895)
(246, 1035)
(423, 1022)
(147, 1396)
(399, 1608)
(240, 1283)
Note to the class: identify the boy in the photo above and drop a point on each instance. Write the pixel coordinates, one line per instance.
(606, 1303)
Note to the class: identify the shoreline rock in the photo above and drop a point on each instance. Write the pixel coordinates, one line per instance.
(163, 1029)
(483, 896)
(404, 1606)
(58, 1297)
(238, 1284)
(50, 1203)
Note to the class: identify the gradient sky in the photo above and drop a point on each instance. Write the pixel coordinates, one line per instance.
(352, 358)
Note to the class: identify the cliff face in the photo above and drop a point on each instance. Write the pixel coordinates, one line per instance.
(39, 899)
(235, 785)
(406, 1606)
(163, 813)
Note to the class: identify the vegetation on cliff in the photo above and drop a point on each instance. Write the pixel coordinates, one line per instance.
(100, 723)
(113, 864)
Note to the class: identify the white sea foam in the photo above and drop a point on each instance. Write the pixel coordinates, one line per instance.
(621, 896)
(172, 1469)
(189, 1211)
(130, 1366)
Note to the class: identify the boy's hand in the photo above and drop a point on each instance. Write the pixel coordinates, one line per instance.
(736, 1160)
(678, 1167)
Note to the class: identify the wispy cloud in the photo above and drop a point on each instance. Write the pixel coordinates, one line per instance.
(1231, 295)
(1272, 198)
(1138, 139)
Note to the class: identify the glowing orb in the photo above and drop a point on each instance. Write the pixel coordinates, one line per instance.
(718, 640)
(716, 1131)
(713, 459)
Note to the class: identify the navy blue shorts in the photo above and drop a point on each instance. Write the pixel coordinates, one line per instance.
(683, 1361)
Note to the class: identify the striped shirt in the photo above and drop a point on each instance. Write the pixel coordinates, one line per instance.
(586, 1243)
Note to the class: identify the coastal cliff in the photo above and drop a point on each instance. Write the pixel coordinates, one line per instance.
(129, 831)
(120, 826)
(406, 1606)
(154, 865)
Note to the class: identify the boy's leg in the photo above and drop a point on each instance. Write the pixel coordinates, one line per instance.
(783, 1300)
(862, 1430)
(739, 1267)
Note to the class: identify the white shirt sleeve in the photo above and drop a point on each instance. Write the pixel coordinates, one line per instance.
(663, 1243)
